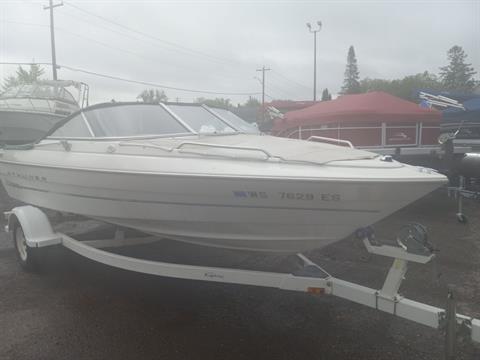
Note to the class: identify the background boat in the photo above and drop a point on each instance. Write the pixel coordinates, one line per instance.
(28, 111)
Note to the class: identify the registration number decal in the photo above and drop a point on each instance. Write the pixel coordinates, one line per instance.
(285, 195)
(296, 196)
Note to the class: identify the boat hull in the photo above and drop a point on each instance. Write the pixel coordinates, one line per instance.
(260, 214)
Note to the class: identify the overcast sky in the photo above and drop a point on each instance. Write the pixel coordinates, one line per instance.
(218, 45)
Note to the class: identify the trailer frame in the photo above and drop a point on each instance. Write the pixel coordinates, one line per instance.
(38, 233)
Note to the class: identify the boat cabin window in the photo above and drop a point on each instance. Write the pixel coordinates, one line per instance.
(39, 91)
(200, 119)
(121, 121)
(52, 92)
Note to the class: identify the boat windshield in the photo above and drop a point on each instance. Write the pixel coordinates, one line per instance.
(236, 121)
(114, 120)
(200, 119)
(125, 120)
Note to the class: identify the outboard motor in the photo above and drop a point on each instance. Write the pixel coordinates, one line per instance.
(469, 166)
(467, 172)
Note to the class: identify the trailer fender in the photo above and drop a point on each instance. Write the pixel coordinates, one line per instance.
(35, 224)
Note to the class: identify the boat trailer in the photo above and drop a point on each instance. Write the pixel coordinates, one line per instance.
(31, 231)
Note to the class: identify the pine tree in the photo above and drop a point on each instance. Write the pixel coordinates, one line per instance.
(351, 84)
(24, 76)
(326, 95)
(458, 75)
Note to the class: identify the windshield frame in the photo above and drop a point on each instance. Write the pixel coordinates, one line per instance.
(82, 112)
(165, 106)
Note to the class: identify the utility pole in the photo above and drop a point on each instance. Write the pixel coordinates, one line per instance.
(315, 31)
(263, 69)
(52, 36)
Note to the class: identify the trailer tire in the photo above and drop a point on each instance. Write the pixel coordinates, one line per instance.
(27, 256)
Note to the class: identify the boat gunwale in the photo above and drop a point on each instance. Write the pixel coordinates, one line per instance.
(410, 180)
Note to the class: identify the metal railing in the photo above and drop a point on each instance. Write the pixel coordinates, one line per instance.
(179, 147)
(327, 139)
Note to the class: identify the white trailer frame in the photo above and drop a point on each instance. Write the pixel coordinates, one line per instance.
(38, 233)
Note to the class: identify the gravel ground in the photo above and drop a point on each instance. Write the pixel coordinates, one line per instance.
(77, 309)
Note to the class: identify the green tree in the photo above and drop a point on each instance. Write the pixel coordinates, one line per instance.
(405, 88)
(326, 95)
(217, 102)
(389, 86)
(410, 85)
(458, 75)
(23, 76)
(153, 96)
(351, 84)
(252, 102)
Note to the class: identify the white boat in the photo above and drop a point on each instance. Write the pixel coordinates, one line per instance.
(187, 173)
(28, 111)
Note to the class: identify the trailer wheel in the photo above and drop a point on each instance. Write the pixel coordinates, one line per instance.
(27, 256)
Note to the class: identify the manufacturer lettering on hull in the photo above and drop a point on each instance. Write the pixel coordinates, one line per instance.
(27, 177)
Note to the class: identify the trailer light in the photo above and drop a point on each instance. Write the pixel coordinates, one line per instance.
(316, 290)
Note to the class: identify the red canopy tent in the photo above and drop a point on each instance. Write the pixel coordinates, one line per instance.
(371, 119)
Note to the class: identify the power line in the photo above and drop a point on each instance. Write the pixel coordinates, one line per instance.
(155, 84)
(136, 37)
(273, 86)
(24, 23)
(156, 60)
(142, 36)
(169, 43)
(263, 69)
(177, 47)
(141, 33)
(74, 69)
(290, 80)
(25, 63)
(50, 7)
(148, 36)
(63, 30)
(66, 31)
(122, 33)
(282, 90)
